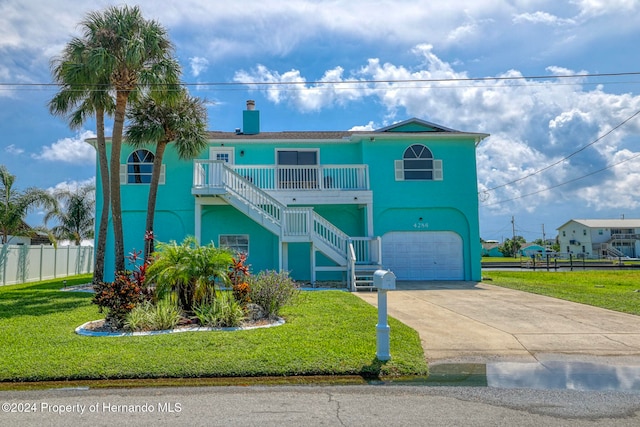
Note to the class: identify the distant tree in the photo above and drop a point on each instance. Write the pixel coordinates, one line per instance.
(510, 247)
(181, 121)
(15, 205)
(75, 214)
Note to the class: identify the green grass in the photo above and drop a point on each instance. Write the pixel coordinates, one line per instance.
(614, 290)
(500, 259)
(561, 261)
(326, 333)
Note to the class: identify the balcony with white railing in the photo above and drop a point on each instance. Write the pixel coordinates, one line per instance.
(306, 183)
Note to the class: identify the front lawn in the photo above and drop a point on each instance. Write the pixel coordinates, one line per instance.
(616, 290)
(326, 333)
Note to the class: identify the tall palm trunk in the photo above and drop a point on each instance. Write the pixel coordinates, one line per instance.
(153, 193)
(116, 204)
(101, 244)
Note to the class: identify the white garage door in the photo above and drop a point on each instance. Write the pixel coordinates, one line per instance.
(423, 255)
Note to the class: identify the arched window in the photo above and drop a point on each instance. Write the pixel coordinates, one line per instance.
(418, 164)
(139, 168)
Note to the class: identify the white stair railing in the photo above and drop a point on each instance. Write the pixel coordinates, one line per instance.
(253, 196)
(297, 222)
(368, 250)
(351, 267)
(293, 222)
(328, 233)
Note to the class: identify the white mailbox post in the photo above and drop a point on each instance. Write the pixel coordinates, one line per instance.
(383, 280)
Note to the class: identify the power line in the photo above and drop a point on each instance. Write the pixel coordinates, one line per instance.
(370, 81)
(563, 183)
(610, 131)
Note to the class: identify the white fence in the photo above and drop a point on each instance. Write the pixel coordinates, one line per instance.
(22, 263)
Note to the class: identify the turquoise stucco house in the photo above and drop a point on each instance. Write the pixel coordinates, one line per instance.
(332, 205)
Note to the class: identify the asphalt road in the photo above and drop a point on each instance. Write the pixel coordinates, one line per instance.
(366, 405)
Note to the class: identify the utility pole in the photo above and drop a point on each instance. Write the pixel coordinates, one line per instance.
(513, 232)
(544, 237)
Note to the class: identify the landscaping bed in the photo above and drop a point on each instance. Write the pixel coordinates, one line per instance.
(326, 333)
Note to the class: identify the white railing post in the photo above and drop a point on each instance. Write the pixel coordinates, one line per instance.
(351, 267)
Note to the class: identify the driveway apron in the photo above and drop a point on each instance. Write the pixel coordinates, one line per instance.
(477, 321)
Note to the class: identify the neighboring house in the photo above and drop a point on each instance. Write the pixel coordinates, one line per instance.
(491, 249)
(28, 236)
(529, 249)
(328, 205)
(601, 238)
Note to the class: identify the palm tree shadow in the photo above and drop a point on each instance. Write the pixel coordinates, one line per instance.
(40, 300)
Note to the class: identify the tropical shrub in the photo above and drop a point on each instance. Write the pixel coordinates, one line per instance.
(165, 315)
(153, 317)
(241, 293)
(222, 311)
(272, 291)
(188, 271)
(122, 295)
(238, 275)
(139, 319)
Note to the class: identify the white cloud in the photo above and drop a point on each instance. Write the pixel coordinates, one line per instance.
(71, 185)
(70, 150)
(594, 8)
(540, 17)
(368, 127)
(292, 88)
(13, 149)
(198, 65)
(533, 123)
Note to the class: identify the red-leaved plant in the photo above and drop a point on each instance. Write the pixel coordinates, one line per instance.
(127, 290)
(238, 275)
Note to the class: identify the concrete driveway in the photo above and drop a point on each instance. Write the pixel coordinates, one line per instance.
(469, 321)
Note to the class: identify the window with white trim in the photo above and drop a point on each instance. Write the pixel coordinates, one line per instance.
(139, 168)
(236, 242)
(418, 164)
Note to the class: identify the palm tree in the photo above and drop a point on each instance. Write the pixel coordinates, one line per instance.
(182, 121)
(134, 54)
(80, 98)
(188, 271)
(76, 218)
(15, 205)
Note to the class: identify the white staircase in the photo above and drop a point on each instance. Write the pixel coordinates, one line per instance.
(612, 251)
(298, 224)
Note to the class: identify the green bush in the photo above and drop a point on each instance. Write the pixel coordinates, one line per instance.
(188, 271)
(223, 311)
(166, 315)
(139, 319)
(272, 291)
(149, 317)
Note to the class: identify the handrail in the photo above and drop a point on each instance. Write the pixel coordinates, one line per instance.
(295, 221)
(329, 233)
(368, 250)
(351, 266)
(243, 189)
(311, 177)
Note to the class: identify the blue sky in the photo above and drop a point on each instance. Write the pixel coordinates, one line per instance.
(534, 123)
